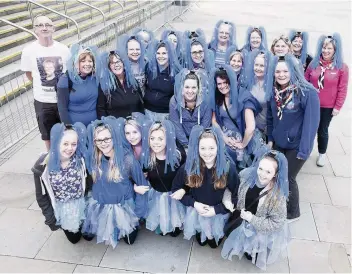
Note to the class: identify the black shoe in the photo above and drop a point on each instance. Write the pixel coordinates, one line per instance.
(249, 257)
(212, 243)
(176, 232)
(198, 238)
(88, 237)
(130, 239)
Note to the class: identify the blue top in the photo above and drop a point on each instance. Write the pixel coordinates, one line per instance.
(111, 192)
(220, 56)
(299, 123)
(78, 104)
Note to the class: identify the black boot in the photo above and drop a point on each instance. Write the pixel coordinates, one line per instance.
(212, 243)
(198, 238)
(88, 237)
(175, 233)
(73, 237)
(131, 237)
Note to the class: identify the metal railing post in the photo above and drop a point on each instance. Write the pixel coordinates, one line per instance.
(65, 9)
(95, 8)
(19, 27)
(123, 13)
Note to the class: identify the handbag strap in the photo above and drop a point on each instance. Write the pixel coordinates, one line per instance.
(256, 199)
(157, 171)
(228, 113)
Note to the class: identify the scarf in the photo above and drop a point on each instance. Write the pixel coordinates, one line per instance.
(324, 65)
(282, 98)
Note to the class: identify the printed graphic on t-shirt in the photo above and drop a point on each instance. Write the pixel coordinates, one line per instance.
(50, 69)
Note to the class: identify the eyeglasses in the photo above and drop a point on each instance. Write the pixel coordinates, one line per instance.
(199, 53)
(119, 61)
(224, 33)
(105, 141)
(41, 26)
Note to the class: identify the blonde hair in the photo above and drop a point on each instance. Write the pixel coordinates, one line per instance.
(285, 39)
(236, 53)
(329, 40)
(114, 173)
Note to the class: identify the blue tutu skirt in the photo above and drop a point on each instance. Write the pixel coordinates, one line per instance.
(208, 227)
(110, 222)
(265, 248)
(70, 215)
(164, 213)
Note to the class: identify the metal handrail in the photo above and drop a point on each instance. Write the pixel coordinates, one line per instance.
(19, 27)
(30, 2)
(139, 15)
(92, 7)
(123, 12)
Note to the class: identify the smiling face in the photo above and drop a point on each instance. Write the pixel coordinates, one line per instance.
(157, 141)
(281, 48)
(190, 90)
(49, 68)
(86, 64)
(162, 56)
(297, 44)
(132, 134)
(173, 39)
(328, 51)
(282, 74)
(266, 171)
(197, 53)
(133, 50)
(116, 65)
(259, 66)
(208, 150)
(103, 141)
(255, 40)
(223, 86)
(68, 144)
(43, 27)
(236, 62)
(224, 33)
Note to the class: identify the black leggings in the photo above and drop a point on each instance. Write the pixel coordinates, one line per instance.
(323, 130)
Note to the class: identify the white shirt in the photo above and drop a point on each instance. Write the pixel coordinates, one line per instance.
(46, 65)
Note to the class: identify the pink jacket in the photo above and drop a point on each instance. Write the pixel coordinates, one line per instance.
(334, 93)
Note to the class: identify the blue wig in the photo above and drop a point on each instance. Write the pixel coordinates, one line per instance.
(226, 69)
(232, 39)
(241, 76)
(122, 47)
(335, 39)
(209, 61)
(73, 63)
(193, 161)
(173, 64)
(296, 72)
(108, 79)
(172, 154)
(262, 33)
(165, 36)
(250, 176)
(138, 32)
(304, 35)
(109, 123)
(56, 134)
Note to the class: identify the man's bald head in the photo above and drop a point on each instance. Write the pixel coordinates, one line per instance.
(43, 26)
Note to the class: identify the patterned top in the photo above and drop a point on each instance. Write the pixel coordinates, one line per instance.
(67, 183)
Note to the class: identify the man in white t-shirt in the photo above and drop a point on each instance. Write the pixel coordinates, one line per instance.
(44, 61)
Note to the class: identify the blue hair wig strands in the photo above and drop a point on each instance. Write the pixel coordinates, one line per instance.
(193, 161)
(73, 63)
(263, 44)
(232, 36)
(304, 35)
(165, 36)
(137, 32)
(56, 134)
(122, 45)
(208, 55)
(338, 57)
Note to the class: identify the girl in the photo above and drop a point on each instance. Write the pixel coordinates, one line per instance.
(161, 160)
(299, 47)
(262, 196)
(281, 46)
(112, 213)
(292, 119)
(119, 92)
(77, 89)
(61, 181)
(207, 172)
(328, 73)
(175, 38)
(237, 59)
(256, 39)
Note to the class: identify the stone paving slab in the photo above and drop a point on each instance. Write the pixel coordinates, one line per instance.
(310, 166)
(346, 144)
(94, 269)
(23, 265)
(58, 248)
(341, 164)
(150, 253)
(22, 232)
(305, 227)
(2, 209)
(333, 223)
(34, 206)
(348, 250)
(312, 189)
(339, 189)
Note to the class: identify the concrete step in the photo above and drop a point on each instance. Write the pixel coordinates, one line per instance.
(22, 37)
(17, 6)
(13, 54)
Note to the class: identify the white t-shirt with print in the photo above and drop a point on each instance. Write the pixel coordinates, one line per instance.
(46, 65)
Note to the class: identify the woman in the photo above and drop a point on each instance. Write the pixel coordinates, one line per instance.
(299, 47)
(112, 213)
(134, 49)
(224, 36)
(281, 46)
(292, 119)
(256, 39)
(160, 72)
(119, 92)
(161, 160)
(207, 172)
(77, 89)
(175, 38)
(61, 181)
(237, 59)
(187, 106)
(328, 73)
(263, 235)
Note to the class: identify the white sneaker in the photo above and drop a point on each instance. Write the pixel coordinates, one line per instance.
(321, 160)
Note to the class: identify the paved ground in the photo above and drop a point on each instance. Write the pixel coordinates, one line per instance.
(321, 239)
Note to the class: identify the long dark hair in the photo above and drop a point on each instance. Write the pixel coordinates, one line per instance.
(219, 97)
